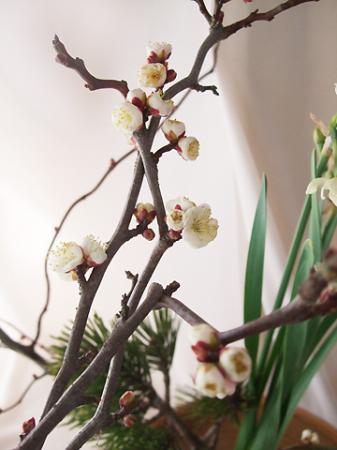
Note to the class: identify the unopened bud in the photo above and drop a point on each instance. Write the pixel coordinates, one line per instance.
(174, 235)
(145, 212)
(28, 425)
(204, 342)
(236, 362)
(137, 97)
(126, 399)
(171, 75)
(148, 234)
(129, 420)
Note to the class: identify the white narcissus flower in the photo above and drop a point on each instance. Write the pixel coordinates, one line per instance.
(325, 185)
(309, 437)
(158, 106)
(212, 383)
(94, 251)
(236, 362)
(65, 258)
(175, 212)
(127, 118)
(158, 51)
(173, 130)
(198, 227)
(203, 333)
(188, 148)
(137, 97)
(152, 75)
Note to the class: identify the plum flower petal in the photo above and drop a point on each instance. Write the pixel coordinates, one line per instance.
(65, 257)
(203, 333)
(127, 118)
(236, 362)
(175, 212)
(158, 106)
(188, 148)
(137, 97)
(94, 251)
(211, 382)
(158, 51)
(199, 228)
(152, 75)
(173, 130)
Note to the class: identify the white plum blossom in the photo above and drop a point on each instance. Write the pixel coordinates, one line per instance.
(152, 75)
(173, 130)
(127, 118)
(325, 185)
(137, 97)
(236, 362)
(158, 51)
(199, 228)
(203, 333)
(175, 212)
(65, 258)
(336, 88)
(158, 106)
(212, 383)
(94, 251)
(188, 148)
(309, 437)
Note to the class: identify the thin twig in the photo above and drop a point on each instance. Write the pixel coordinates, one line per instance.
(204, 10)
(96, 423)
(113, 164)
(26, 350)
(92, 83)
(24, 393)
(72, 397)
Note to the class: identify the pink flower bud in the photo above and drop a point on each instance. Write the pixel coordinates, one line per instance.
(173, 130)
(158, 52)
(28, 425)
(148, 234)
(204, 341)
(158, 106)
(137, 97)
(174, 235)
(129, 420)
(126, 399)
(171, 75)
(145, 212)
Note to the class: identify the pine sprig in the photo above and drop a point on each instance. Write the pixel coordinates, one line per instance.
(151, 347)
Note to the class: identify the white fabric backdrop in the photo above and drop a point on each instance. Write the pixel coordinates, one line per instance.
(57, 138)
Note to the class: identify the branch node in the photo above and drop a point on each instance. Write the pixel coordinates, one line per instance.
(201, 88)
(171, 288)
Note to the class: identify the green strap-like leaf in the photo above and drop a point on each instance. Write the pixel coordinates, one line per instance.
(254, 269)
(306, 377)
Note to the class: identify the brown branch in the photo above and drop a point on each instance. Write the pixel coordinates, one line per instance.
(219, 33)
(102, 414)
(26, 350)
(144, 144)
(71, 397)
(24, 393)
(92, 83)
(118, 239)
(113, 164)
(159, 153)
